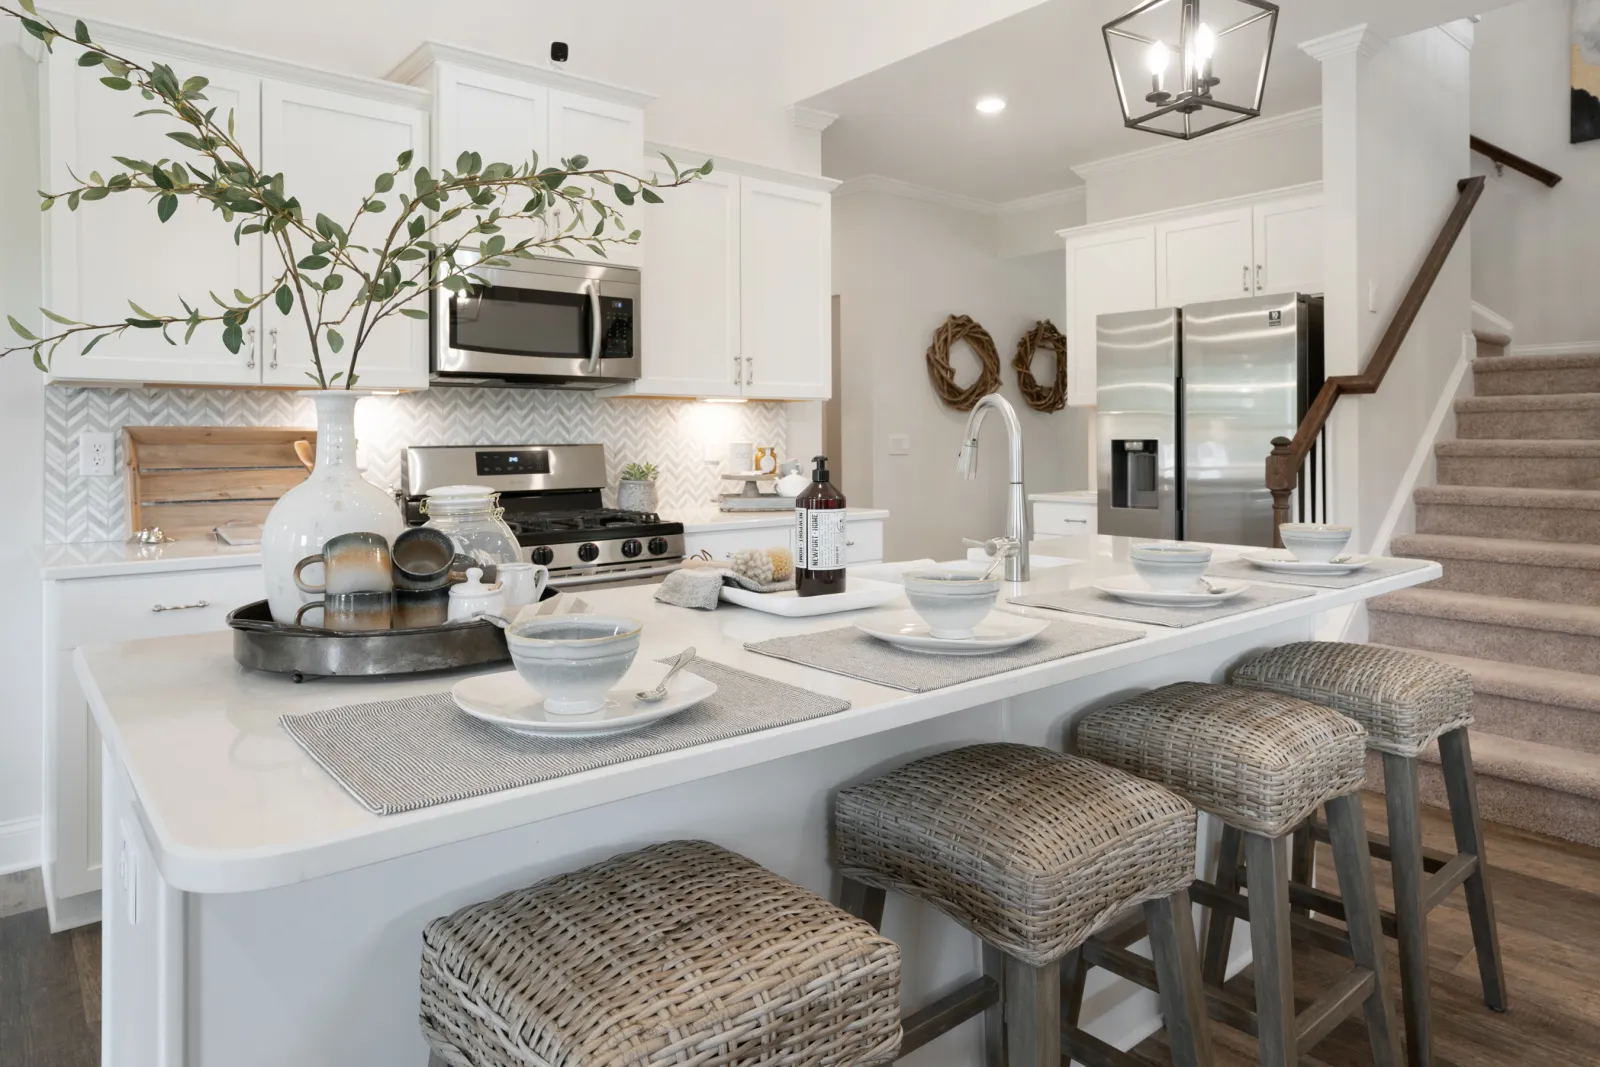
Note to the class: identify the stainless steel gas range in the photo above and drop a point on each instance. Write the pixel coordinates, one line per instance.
(551, 497)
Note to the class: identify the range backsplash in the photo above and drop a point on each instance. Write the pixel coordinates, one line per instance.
(673, 434)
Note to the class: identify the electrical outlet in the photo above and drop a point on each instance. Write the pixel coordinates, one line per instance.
(899, 444)
(95, 452)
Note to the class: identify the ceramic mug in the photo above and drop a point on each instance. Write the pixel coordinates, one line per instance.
(352, 612)
(523, 584)
(351, 563)
(421, 558)
(417, 608)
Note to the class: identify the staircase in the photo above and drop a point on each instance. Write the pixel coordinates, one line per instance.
(1515, 520)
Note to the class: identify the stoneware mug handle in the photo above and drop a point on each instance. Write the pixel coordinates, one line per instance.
(302, 565)
(541, 579)
(308, 606)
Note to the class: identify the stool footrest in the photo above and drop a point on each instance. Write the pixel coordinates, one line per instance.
(1323, 935)
(947, 1013)
(1444, 881)
(1378, 844)
(1329, 1010)
(1080, 1046)
(1221, 1004)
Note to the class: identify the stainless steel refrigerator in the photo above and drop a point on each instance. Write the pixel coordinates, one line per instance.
(1189, 401)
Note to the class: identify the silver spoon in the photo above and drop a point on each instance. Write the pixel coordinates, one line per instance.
(659, 693)
(1214, 590)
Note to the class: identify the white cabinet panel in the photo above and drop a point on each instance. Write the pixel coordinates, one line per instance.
(114, 250)
(1106, 272)
(329, 147)
(690, 327)
(1052, 519)
(785, 289)
(1289, 243)
(611, 136)
(1204, 257)
(502, 119)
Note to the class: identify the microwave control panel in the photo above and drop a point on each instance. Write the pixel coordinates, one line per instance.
(616, 326)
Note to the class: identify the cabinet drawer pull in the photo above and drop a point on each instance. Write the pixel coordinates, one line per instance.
(1258, 277)
(738, 372)
(182, 607)
(1247, 277)
(250, 339)
(749, 370)
(273, 333)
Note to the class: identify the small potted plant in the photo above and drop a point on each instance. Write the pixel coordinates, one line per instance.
(637, 489)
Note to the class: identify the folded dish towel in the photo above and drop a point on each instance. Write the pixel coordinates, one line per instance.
(701, 587)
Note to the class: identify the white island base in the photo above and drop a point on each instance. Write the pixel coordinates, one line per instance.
(256, 916)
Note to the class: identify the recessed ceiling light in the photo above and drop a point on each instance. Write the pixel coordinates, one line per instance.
(991, 105)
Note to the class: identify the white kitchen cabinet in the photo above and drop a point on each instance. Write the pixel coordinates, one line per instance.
(1204, 257)
(611, 135)
(100, 610)
(864, 539)
(1288, 245)
(1065, 518)
(1107, 272)
(114, 250)
(503, 119)
(785, 235)
(330, 146)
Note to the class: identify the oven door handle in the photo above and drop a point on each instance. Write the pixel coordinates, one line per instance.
(569, 581)
(593, 289)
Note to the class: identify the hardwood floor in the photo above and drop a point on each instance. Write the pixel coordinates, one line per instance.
(1547, 894)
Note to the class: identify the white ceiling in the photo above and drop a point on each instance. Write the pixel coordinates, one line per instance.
(914, 120)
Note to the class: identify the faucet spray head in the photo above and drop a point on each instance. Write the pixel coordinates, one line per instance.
(967, 461)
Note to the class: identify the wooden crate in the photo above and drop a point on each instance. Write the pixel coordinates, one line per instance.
(190, 479)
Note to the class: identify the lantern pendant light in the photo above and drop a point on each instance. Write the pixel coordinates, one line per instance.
(1187, 98)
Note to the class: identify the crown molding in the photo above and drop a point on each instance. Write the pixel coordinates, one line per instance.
(728, 165)
(1167, 150)
(415, 66)
(1460, 31)
(1360, 39)
(810, 118)
(1073, 194)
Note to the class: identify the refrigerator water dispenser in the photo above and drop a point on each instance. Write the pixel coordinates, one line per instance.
(1135, 474)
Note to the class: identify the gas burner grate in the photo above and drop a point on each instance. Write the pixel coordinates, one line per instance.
(596, 519)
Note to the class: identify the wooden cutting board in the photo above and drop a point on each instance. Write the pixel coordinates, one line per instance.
(188, 480)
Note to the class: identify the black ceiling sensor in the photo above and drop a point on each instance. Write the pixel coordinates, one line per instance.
(558, 51)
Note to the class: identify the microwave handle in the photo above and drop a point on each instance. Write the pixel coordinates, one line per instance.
(593, 289)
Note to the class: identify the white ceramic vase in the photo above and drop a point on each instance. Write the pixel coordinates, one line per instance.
(335, 499)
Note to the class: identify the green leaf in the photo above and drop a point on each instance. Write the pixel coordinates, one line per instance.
(81, 32)
(195, 84)
(89, 59)
(405, 255)
(320, 247)
(62, 319)
(705, 168)
(416, 227)
(332, 282)
(413, 313)
(21, 330)
(95, 194)
(145, 324)
(160, 177)
(313, 263)
(141, 312)
(384, 183)
(624, 194)
(285, 299)
(166, 206)
(96, 339)
(118, 84)
(375, 206)
(233, 337)
(188, 140)
(117, 67)
(38, 29)
(27, 5)
(403, 160)
(579, 162)
(494, 245)
(238, 294)
(649, 196)
(325, 226)
(464, 163)
(335, 341)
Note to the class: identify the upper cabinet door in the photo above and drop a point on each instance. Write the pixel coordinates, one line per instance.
(1106, 272)
(611, 136)
(1289, 246)
(330, 146)
(1204, 257)
(785, 275)
(114, 250)
(690, 319)
(502, 119)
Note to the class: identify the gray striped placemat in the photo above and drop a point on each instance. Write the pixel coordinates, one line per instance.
(1090, 601)
(401, 755)
(1380, 567)
(850, 652)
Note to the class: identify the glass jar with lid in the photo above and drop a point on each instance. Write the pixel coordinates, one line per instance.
(472, 517)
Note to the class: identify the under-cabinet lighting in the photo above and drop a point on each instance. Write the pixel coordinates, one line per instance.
(725, 400)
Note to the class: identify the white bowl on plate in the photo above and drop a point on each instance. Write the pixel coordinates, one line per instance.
(1314, 542)
(951, 602)
(1168, 566)
(574, 659)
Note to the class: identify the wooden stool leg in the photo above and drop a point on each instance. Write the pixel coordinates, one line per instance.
(1348, 828)
(1455, 751)
(1177, 960)
(1074, 974)
(863, 901)
(1033, 1014)
(1219, 924)
(1404, 801)
(1267, 859)
(994, 1017)
(1303, 861)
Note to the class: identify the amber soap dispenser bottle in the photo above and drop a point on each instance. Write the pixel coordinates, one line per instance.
(819, 537)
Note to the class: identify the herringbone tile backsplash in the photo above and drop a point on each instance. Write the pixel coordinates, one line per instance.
(673, 434)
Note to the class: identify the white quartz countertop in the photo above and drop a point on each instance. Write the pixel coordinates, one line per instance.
(97, 559)
(231, 804)
(710, 520)
(1070, 496)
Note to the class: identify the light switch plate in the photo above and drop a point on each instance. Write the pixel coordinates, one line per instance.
(899, 444)
(95, 452)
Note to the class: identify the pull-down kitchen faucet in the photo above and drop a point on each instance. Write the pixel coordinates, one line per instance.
(1017, 502)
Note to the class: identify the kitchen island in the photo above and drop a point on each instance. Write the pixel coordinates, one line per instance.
(256, 915)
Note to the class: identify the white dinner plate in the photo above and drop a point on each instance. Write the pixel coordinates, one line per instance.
(858, 593)
(507, 700)
(1282, 561)
(1135, 590)
(905, 629)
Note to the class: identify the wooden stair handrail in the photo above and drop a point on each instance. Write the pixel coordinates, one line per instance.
(1493, 152)
(1288, 456)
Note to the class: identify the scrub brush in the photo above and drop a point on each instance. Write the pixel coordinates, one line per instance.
(764, 565)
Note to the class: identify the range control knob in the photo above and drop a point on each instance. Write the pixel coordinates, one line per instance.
(543, 556)
(589, 552)
(631, 547)
(658, 546)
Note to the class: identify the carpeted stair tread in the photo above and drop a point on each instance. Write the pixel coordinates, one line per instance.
(1496, 550)
(1499, 496)
(1528, 402)
(1576, 619)
(1530, 763)
(1536, 685)
(1519, 448)
(1515, 364)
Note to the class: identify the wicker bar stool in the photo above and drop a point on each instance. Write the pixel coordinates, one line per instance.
(1261, 763)
(681, 953)
(1032, 850)
(1405, 702)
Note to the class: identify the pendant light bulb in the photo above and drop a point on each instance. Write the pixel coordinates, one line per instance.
(1158, 58)
(1203, 48)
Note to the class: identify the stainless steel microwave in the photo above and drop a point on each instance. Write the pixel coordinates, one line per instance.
(540, 323)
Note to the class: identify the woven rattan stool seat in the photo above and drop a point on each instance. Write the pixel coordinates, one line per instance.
(682, 953)
(1032, 850)
(1405, 701)
(1259, 760)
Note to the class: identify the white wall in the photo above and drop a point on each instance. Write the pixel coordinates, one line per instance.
(1031, 227)
(1535, 260)
(901, 266)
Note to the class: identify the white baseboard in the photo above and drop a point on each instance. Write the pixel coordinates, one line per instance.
(19, 845)
(1564, 348)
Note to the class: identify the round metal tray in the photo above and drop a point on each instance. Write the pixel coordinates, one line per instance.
(309, 652)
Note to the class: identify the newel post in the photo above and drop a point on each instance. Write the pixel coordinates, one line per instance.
(1282, 477)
